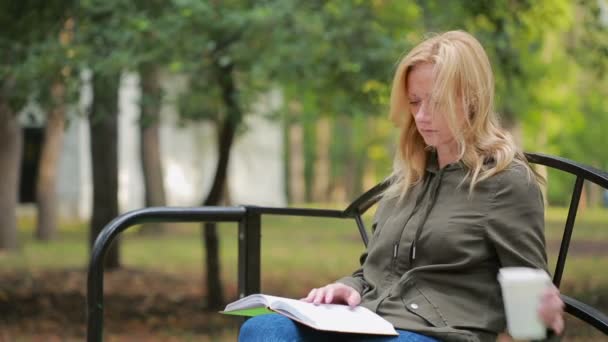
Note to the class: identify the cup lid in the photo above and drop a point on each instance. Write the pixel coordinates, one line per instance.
(521, 273)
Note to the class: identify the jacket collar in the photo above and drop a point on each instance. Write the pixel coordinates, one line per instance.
(432, 163)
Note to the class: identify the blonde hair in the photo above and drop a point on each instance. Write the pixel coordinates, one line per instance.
(462, 78)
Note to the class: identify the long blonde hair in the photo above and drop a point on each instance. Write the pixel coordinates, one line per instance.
(462, 78)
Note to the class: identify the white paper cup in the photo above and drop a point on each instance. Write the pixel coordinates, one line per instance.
(522, 288)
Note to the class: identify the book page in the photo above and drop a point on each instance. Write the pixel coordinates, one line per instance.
(335, 317)
(329, 317)
(252, 301)
(253, 305)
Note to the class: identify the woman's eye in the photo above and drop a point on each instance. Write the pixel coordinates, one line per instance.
(414, 103)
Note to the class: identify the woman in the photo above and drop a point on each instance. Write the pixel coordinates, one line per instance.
(462, 203)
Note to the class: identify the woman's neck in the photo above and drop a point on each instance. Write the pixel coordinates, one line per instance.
(447, 153)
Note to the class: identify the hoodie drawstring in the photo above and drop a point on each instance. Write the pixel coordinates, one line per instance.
(433, 197)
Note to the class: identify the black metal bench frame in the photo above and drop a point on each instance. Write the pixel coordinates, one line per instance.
(249, 221)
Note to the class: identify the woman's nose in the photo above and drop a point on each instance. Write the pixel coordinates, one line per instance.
(421, 114)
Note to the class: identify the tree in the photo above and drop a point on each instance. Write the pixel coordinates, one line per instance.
(10, 159)
(215, 95)
(339, 68)
(28, 28)
(294, 154)
(153, 46)
(13, 17)
(149, 141)
(587, 46)
(46, 193)
(103, 128)
(104, 39)
(227, 61)
(54, 61)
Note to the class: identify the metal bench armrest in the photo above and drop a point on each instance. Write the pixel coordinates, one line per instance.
(586, 313)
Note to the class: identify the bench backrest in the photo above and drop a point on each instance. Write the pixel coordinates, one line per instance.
(249, 220)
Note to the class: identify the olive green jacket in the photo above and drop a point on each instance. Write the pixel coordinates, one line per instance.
(432, 262)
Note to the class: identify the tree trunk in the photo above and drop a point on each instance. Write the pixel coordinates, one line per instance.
(351, 169)
(103, 124)
(339, 160)
(322, 165)
(296, 181)
(595, 195)
(151, 164)
(359, 161)
(11, 141)
(595, 191)
(46, 189)
(362, 126)
(225, 77)
(541, 143)
(369, 175)
(370, 169)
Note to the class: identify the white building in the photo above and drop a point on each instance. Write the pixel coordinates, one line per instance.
(189, 157)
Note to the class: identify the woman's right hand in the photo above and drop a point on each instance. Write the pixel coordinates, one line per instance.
(334, 293)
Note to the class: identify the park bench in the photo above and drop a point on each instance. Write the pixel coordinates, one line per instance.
(249, 226)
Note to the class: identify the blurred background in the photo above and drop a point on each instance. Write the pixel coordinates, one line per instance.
(109, 106)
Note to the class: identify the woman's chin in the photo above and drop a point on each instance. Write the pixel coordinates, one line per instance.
(430, 142)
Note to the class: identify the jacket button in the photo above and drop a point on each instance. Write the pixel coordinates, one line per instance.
(414, 306)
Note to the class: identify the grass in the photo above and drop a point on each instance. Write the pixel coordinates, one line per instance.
(590, 223)
(297, 253)
(287, 243)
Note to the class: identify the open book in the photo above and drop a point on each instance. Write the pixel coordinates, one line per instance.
(328, 317)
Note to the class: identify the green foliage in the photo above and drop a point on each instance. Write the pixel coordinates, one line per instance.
(345, 53)
(335, 58)
(35, 41)
(210, 38)
(106, 44)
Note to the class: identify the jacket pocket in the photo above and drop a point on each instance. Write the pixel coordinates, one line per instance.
(418, 304)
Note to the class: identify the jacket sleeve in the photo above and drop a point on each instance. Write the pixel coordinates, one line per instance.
(357, 280)
(516, 224)
(516, 220)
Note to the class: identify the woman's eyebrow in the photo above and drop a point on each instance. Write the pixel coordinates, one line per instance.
(417, 97)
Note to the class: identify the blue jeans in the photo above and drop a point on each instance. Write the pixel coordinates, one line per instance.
(275, 328)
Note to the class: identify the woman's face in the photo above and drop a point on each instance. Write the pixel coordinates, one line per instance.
(433, 127)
